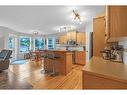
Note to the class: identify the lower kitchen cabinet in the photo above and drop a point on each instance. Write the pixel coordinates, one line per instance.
(104, 74)
(80, 57)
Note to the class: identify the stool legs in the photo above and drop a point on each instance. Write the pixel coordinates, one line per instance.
(53, 73)
(44, 70)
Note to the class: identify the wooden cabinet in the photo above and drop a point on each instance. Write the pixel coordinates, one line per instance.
(98, 35)
(80, 38)
(80, 57)
(62, 65)
(71, 35)
(117, 21)
(93, 81)
(104, 74)
(109, 28)
(63, 39)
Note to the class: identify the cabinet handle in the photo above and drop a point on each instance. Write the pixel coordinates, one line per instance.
(105, 35)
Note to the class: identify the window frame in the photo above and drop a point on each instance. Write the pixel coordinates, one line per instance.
(53, 43)
(38, 38)
(20, 42)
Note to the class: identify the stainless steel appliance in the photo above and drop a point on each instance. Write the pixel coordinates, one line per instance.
(113, 53)
(117, 53)
(71, 42)
(106, 54)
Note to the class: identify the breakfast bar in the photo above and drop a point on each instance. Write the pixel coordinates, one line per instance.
(62, 64)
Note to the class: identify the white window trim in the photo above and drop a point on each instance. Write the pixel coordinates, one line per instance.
(30, 42)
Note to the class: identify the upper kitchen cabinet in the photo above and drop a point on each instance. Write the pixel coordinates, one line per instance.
(63, 39)
(116, 22)
(74, 37)
(80, 38)
(71, 35)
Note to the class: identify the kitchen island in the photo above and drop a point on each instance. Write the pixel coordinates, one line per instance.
(104, 74)
(62, 65)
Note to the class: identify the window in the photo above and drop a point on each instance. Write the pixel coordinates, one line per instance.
(39, 44)
(10, 43)
(24, 44)
(50, 43)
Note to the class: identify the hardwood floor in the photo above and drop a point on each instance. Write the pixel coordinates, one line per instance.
(9, 80)
(31, 73)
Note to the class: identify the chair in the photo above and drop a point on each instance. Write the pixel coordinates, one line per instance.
(32, 56)
(4, 59)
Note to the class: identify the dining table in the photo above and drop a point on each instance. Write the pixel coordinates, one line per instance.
(37, 55)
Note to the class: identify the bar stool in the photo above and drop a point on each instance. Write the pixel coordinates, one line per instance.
(44, 55)
(53, 57)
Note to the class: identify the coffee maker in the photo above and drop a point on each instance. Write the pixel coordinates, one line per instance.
(113, 53)
(117, 53)
(106, 53)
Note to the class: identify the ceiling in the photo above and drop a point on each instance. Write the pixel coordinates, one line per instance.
(45, 19)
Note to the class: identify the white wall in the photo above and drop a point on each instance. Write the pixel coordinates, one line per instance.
(1, 43)
(124, 43)
(88, 30)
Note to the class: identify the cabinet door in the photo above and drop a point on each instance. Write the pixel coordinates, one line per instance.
(63, 39)
(60, 40)
(117, 17)
(81, 38)
(80, 57)
(78, 38)
(98, 35)
(71, 35)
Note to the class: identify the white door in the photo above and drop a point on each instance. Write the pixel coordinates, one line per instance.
(88, 46)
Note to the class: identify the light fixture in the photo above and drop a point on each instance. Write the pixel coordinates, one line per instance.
(35, 32)
(76, 17)
(66, 28)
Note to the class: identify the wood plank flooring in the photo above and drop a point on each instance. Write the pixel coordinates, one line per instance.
(31, 73)
(9, 80)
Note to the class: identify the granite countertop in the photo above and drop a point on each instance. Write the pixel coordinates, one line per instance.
(63, 50)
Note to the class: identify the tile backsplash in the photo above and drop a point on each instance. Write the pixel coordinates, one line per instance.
(124, 43)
